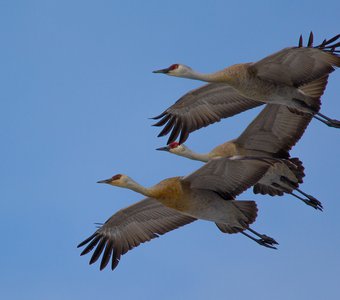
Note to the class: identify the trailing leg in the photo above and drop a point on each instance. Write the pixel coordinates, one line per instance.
(263, 240)
(312, 201)
(326, 120)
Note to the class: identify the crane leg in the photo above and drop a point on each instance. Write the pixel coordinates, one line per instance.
(319, 116)
(326, 120)
(311, 201)
(263, 240)
(306, 201)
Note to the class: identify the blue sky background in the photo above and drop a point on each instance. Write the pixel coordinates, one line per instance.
(76, 93)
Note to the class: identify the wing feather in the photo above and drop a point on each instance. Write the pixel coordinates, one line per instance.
(202, 107)
(275, 130)
(129, 227)
(296, 66)
(228, 177)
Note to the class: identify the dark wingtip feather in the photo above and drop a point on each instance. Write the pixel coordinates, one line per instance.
(184, 136)
(90, 246)
(162, 121)
(325, 45)
(333, 39)
(336, 45)
(114, 263)
(167, 127)
(300, 41)
(159, 116)
(106, 255)
(87, 240)
(310, 40)
(170, 140)
(184, 132)
(175, 131)
(98, 251)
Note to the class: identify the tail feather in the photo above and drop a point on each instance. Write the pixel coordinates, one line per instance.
(315, 90)
(264, 189)
(247, 213)
(299, 170)
(288, 183)
(334, 57)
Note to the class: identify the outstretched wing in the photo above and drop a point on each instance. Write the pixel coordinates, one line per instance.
(131, 226)
(228, 176)
(275, 130)
(299, 65)
(202, 107)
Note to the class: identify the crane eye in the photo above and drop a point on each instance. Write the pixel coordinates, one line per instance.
(173, 67)
(174, 145)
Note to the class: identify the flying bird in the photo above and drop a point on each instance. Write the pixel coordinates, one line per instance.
(271, 134)
(206, 194)
(295, 77)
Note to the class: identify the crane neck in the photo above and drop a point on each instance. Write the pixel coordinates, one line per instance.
(194, 155)
(219, 76)
(134, 186)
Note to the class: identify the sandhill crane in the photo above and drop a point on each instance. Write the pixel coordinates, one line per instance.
(206, 194)
(295, 77)
(271, 134)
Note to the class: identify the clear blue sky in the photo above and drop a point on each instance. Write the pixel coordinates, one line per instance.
(76, 92)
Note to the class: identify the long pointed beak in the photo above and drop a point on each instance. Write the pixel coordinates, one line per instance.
(164, 71)
(163, 148)
(104, 181)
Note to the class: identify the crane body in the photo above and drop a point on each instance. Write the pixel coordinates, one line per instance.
(295, 77)
(271, 135)
(206, 194)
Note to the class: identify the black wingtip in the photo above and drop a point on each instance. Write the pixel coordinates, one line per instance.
(87, 240)
(91, 245)
(175, 131)
(300, 41)
(325, 45)
(169, 141)
(333, 39)
(162, 121)
(310, 40)
(158, 117)
(114, 263)
(184, 136)
(168, 126)
(98, 251)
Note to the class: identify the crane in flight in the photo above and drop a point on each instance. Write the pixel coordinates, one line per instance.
(295, 77)
(271, 134)
(206, 194)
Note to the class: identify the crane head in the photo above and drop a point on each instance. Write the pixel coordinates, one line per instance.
(175, 148)
(117, 180)
(177, 70)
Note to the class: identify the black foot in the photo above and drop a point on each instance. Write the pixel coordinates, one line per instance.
(268, 240)
(328, 121)
(265, 243)
(264, 240)
(313, 202)
(333, 123)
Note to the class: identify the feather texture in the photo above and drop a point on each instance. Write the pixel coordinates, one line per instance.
(131, 226)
